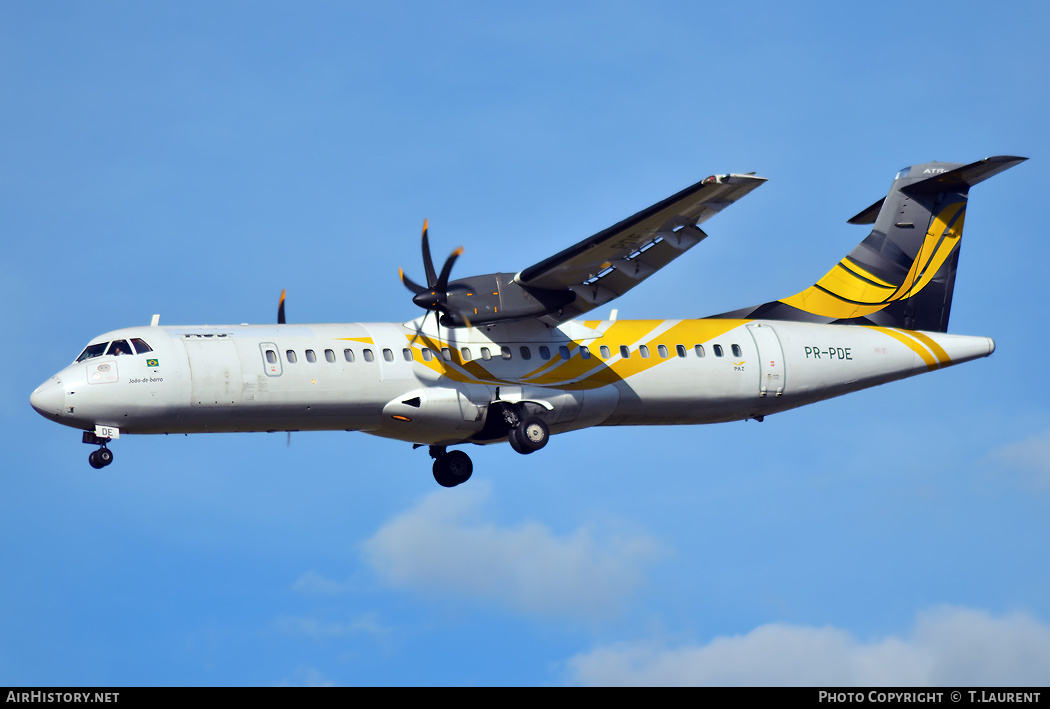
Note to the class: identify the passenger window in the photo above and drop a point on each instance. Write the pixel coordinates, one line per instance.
(271, 356)
(290, 354)
(446, 354)
(349, 355)
(119, 347)
(485, 354)
(625, 352)
(92, 351)
(407, 354)
(465, 354)
(140, 345)
(699, 350)
(310, 356)
(605, 351)
(736, 351)
(643, 350)
(564, 352)
(525, 353)
(585, 353)
(662, 349)
(388, 355)
(369, 357)
(545, 353)
(329, 355)
(428, 354)
(680, 349)
(504, 352)
(718, 350)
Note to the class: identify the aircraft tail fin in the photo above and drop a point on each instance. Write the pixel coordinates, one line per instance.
(903, 274)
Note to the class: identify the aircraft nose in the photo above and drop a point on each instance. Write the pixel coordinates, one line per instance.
(49, 399)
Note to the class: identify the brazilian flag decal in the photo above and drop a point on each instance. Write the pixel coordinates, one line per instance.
(152, 363)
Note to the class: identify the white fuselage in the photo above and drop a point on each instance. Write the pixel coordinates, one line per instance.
(436, 387)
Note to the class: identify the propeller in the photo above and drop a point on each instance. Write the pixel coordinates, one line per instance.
(433, 297)
(281, 321)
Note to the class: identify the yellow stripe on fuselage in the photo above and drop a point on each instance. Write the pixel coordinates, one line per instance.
(578, 372)
(905, 338)
(938, 351)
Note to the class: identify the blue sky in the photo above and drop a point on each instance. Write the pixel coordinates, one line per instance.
(194, 159)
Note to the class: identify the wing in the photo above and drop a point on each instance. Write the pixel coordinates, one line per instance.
(617, 259)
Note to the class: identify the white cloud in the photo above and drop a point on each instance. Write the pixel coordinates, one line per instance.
(948, 646)
(1032, 455)
(313, 583)
(442, 546)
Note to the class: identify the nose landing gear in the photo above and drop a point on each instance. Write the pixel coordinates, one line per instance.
(103, 456)
(100, 458)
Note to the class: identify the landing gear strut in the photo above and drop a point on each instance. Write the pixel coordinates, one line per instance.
(451, 468)
(103, 456)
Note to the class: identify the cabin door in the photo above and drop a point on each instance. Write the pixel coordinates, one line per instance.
(770, 360)
(215, 371)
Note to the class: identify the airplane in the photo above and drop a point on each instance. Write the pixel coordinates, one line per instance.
(505, 357)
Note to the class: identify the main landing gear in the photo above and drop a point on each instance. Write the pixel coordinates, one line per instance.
(526, 434)
(103, 456)
(451, 468)
(529, 435)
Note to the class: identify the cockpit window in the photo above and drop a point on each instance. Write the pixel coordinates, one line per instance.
(92, 351)
(119, 347)
(140, 345)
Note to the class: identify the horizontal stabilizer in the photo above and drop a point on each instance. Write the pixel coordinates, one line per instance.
(962, 178)
(869, 215)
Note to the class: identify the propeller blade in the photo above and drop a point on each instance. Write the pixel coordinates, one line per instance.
(280, 309)
(410, 284)
(428, 262)
(442, 282)
(419, 328)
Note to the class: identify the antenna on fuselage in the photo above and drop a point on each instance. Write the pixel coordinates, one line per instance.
(155, 320)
